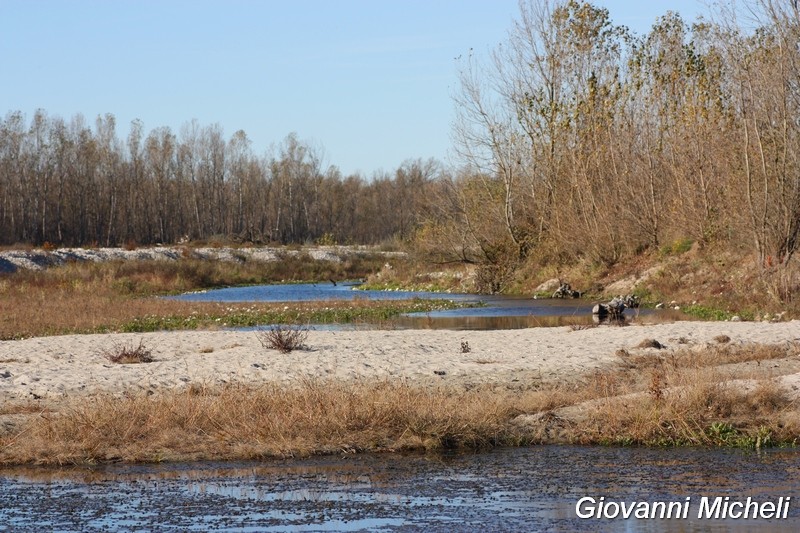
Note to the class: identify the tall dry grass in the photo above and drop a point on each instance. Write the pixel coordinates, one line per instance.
(238, 422)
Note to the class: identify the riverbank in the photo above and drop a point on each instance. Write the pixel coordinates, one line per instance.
(40, 258)
(221, 394)
(88, 296)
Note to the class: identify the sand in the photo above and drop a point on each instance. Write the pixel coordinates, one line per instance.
(60, 367)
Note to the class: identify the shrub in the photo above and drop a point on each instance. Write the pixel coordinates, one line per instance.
(129, 354)
(283, 338)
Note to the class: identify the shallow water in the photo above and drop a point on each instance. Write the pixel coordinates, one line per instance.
(306, 292)
(525, 489)
(497, 312)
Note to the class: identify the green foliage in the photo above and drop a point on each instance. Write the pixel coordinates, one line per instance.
(327, 239)
(724, 434)
(712, 313)
(721, 433)
(707, 313)
(677, 247)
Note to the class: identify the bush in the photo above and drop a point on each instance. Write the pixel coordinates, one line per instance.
(283, 338)
(129, 354)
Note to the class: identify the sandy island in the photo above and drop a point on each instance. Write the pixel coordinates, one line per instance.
(60, 367)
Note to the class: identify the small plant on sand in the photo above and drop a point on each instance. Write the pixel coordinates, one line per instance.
(650, 343)
(129, 354)
(581, 327)
(283, 338)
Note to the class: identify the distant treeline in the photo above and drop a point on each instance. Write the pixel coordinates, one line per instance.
(68, 183)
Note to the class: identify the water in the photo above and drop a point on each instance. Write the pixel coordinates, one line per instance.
(524, 489)
(497, 311)
(307, 292)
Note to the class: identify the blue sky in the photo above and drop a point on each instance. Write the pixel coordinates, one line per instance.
(368, 82)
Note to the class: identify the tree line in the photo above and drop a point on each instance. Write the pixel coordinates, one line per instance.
(580, 138)
(72, 183)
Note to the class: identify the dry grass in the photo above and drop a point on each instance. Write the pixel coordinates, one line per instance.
(270, 421)
(686, 397)
(83, 297)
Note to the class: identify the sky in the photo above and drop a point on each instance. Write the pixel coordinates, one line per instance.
(369, 84)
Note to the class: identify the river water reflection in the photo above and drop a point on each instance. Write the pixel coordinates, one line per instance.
(496, 312)
(524, 489)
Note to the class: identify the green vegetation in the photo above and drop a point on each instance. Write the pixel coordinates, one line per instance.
(317, 313)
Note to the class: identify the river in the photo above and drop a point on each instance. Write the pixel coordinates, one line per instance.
(496, 311)
(519, 489)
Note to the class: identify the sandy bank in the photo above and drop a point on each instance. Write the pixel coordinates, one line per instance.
(53, 368)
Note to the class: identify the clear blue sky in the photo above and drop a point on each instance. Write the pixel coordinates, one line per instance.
(370, 82)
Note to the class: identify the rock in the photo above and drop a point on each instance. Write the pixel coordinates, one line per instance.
(548, 286)
(565, 291)
(660, 305)
(736, 318)
(616, 307)
(631, 301)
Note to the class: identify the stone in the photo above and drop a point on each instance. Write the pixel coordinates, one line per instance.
(548, 286)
